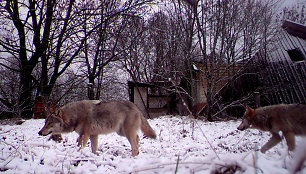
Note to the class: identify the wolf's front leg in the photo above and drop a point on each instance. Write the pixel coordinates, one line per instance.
(289, 136)
(272, 142)
(82, 140)
(94, 143)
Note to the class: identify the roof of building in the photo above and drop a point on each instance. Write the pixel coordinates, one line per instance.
(295, 29)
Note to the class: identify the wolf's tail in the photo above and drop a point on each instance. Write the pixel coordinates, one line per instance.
(146, 128)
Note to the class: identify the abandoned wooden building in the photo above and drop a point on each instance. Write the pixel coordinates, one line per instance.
(164, 98)
(284, 68)
(151, 99)
(278, 76)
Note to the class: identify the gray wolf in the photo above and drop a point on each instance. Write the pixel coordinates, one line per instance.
(89, 118)
(290, 119)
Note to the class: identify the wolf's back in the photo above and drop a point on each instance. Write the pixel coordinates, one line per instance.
(297, 115)
(295, 112)
(291, 116)
(299, 109)
(284, 110)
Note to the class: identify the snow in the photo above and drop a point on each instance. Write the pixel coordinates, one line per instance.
(183, 145)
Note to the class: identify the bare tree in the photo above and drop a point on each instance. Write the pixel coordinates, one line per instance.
(64, 46)
(43, 36)
(170, 39)
(160, 46)
(227, 32)
(102, 46)
(133, 40)
(27, 50)
(8, 87)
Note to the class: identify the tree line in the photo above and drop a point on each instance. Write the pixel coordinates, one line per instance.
(77, 49)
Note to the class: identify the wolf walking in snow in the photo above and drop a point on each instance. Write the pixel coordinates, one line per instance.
(288, 118)
(89, 118)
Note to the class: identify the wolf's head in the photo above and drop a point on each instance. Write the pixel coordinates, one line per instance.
(53, 124)
(246, 120)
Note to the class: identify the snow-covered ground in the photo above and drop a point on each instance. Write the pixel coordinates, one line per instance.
(183, 145)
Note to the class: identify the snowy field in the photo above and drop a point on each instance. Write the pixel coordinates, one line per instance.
(182, 146)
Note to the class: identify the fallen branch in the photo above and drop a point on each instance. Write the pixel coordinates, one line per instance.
(157, 166)
(40, 145)
(6, 131)
(177, 163)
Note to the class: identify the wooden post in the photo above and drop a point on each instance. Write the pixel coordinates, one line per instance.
(257, 99)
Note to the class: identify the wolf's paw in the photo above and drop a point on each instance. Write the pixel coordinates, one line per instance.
(56, 137)
(263, 150)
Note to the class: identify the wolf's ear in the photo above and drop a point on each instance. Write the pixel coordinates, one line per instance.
(47, 111)
(249, 112)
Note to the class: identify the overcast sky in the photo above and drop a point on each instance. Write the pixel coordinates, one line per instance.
(289, 3)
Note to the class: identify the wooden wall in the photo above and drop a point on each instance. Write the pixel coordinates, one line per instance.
(284, 80)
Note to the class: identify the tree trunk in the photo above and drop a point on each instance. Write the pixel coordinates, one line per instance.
(91, 93)
(26, 88)
(209, 107)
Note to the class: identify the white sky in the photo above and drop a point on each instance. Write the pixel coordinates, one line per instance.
(290, 3)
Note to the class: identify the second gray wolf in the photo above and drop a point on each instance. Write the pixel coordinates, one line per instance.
(290, 119)
(89, 118)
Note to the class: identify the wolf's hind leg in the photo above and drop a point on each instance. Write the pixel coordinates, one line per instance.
(289, 136)
(94, 143)
(272, 142)
(134, 140)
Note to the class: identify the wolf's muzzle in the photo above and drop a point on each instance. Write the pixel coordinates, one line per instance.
(44, 134)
